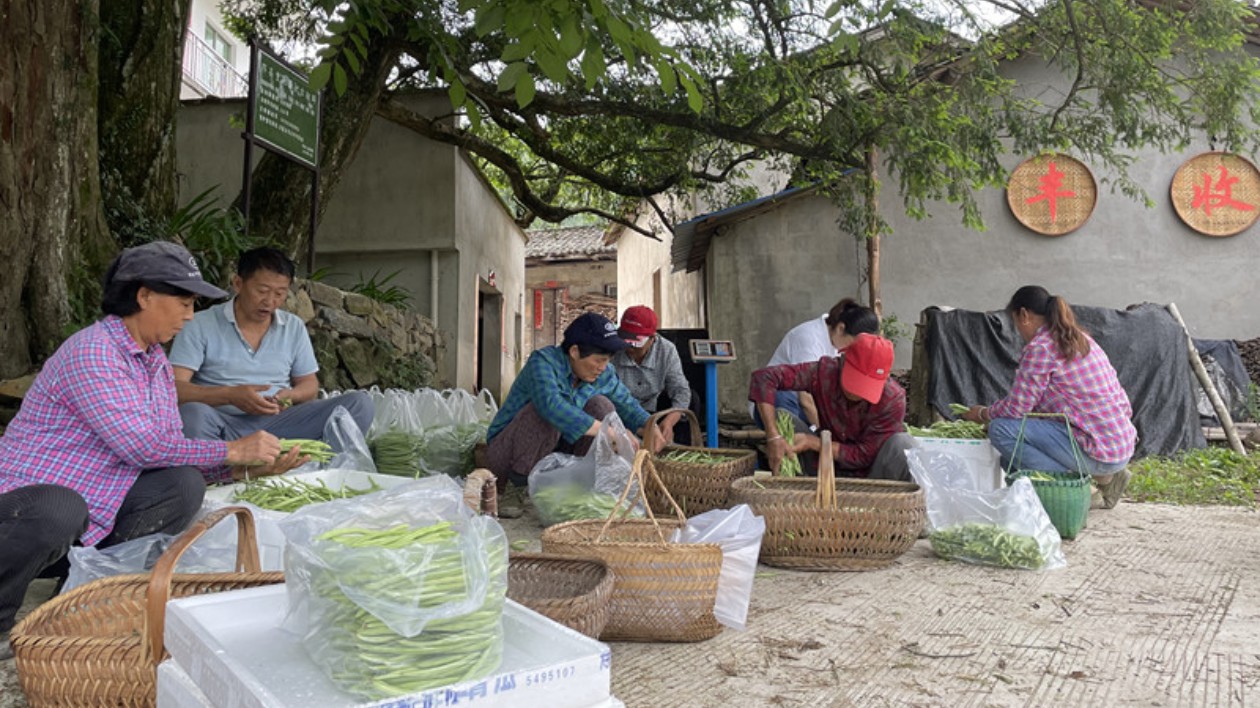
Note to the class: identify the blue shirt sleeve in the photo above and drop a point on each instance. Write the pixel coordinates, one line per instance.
(548, 382)
(189, 348)
(304, 363)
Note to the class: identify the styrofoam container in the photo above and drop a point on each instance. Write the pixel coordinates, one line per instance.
(176, 689)
(980, 456)
(232, 646)
(335, 479)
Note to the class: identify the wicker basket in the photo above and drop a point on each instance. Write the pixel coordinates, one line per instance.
(697, 487)
(100, 644)
(572, 591)
(830, 524)
(662, 591)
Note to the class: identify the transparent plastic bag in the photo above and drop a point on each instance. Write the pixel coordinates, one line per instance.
(366, 608)
(396, 438)
(738, 531)
(566, 487)
(1006, 527)
(452, 432)
(345, 438)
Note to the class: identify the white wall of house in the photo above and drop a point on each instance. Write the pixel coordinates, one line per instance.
(645, 277)
(404, 204)
(208, 34)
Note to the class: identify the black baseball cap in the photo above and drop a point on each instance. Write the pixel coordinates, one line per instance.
(594, 330)
(162, 262)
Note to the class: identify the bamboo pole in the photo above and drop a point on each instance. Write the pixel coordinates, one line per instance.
(1200, 371)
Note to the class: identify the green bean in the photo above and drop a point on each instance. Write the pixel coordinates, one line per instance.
(558, 503)
(958, 408)
(397, 452)
(955, 429)
(987, 544)
(695, 457)
(372, 660)
(790, 465)
(288, 495)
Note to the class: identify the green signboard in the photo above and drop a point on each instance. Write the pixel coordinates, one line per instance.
(286, 111)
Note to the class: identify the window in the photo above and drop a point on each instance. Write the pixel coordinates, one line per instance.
(610, 290)
(218, 42)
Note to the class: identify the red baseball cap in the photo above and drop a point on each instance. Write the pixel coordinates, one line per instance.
(638, 324)
(867, 365)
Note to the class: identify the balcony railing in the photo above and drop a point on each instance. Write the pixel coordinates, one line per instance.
(209, 73)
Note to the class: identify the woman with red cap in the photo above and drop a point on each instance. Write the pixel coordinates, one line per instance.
(650, 367)
(857, 401)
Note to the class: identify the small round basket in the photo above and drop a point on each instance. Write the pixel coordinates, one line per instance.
(1064, 496)
(697, 486)
(572, 591)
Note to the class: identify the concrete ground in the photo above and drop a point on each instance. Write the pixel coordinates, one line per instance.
(1159, 606)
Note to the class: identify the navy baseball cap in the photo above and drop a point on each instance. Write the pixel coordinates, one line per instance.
(594, 330)
(162, 262)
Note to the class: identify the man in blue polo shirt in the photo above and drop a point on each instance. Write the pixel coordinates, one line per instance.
(559, 399)
(247, 365)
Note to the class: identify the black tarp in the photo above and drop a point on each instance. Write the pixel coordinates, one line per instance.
(973, 356)
(1228, 373)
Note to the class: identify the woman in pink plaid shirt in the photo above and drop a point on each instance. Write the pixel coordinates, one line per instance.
(1062, 371)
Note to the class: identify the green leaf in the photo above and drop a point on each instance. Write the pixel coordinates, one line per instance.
(525, 90)
(593, 66)
(618, 30)
(518, 19)
(598, 10)
(570, 37)
(552, 66)
(489, 19)
(340, 80)
(458, 94)
(519, 49)
(668, 82)
(353, 60)
(319, 77)
(511, 74)
(694, 100)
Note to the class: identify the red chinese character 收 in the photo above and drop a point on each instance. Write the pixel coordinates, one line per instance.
(1050, 191)
(1221, 196)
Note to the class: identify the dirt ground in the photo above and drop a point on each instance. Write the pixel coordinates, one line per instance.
(1159, 606)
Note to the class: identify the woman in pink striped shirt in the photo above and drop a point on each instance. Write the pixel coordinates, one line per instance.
(1062, 371)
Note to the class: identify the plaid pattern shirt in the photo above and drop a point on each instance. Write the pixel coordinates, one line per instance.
(101, 411)
(1085, 389)
(547, 381)
(860, 428)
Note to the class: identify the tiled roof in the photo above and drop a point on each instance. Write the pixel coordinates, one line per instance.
(574, 242)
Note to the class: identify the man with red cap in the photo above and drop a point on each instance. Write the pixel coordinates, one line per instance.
(649, 366)
(857, 401)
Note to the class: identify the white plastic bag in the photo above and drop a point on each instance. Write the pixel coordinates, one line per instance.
(738, 531)
(417, 601)
(567, 487)
(345, 438)
(1005, 527)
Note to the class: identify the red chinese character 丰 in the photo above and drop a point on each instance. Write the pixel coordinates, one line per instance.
(1050, 191)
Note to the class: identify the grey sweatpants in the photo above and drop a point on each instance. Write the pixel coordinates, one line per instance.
(303, 421)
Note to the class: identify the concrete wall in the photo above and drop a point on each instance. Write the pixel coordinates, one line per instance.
(643, 267)
(769, 274)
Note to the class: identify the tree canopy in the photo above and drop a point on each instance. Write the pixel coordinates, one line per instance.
(590, 106)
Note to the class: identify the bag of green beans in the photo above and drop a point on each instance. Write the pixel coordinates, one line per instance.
(398, 592)
(396, 438)
(566, 487)
(1005, 527)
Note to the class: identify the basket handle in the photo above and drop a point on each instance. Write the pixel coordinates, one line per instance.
(1019, 440)
(825, 496)
(649, 432)
(642, 460)
(159, 591)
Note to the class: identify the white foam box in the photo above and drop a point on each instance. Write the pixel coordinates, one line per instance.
(232, 646)
(980, 456)
(176, 689)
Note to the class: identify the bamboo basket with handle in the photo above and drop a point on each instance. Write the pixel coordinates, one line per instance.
(697, 487)
(833, 524)
(662, 591)
(100, 643)
(572, 591)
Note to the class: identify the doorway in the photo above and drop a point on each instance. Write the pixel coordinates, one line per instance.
(488, 372)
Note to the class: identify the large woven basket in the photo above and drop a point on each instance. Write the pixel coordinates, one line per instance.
(572, 591)
(662, 591)
(833, 524)
(100, 643)
(697, 487)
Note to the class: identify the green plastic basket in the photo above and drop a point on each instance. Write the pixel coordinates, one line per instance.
(1064, 495)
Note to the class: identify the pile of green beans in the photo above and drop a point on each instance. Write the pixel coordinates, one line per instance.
(955, 429)
(288, 495)
(790, 465)
(372, 660)
(317, 450)
(397, 452)
(695, 457)
(988, 544)
(558, 503)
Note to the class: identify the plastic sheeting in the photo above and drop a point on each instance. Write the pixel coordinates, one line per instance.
(973, 357)
(1228, 373)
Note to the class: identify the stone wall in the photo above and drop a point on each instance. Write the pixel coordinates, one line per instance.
(360, 342)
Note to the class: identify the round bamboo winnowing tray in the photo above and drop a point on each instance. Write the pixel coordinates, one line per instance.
(1052, 194)
(874, 523)
(1217, 193)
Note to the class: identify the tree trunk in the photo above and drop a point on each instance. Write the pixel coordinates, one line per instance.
(140, 53)
(872, 231)
(50, 209)
(281, 189)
